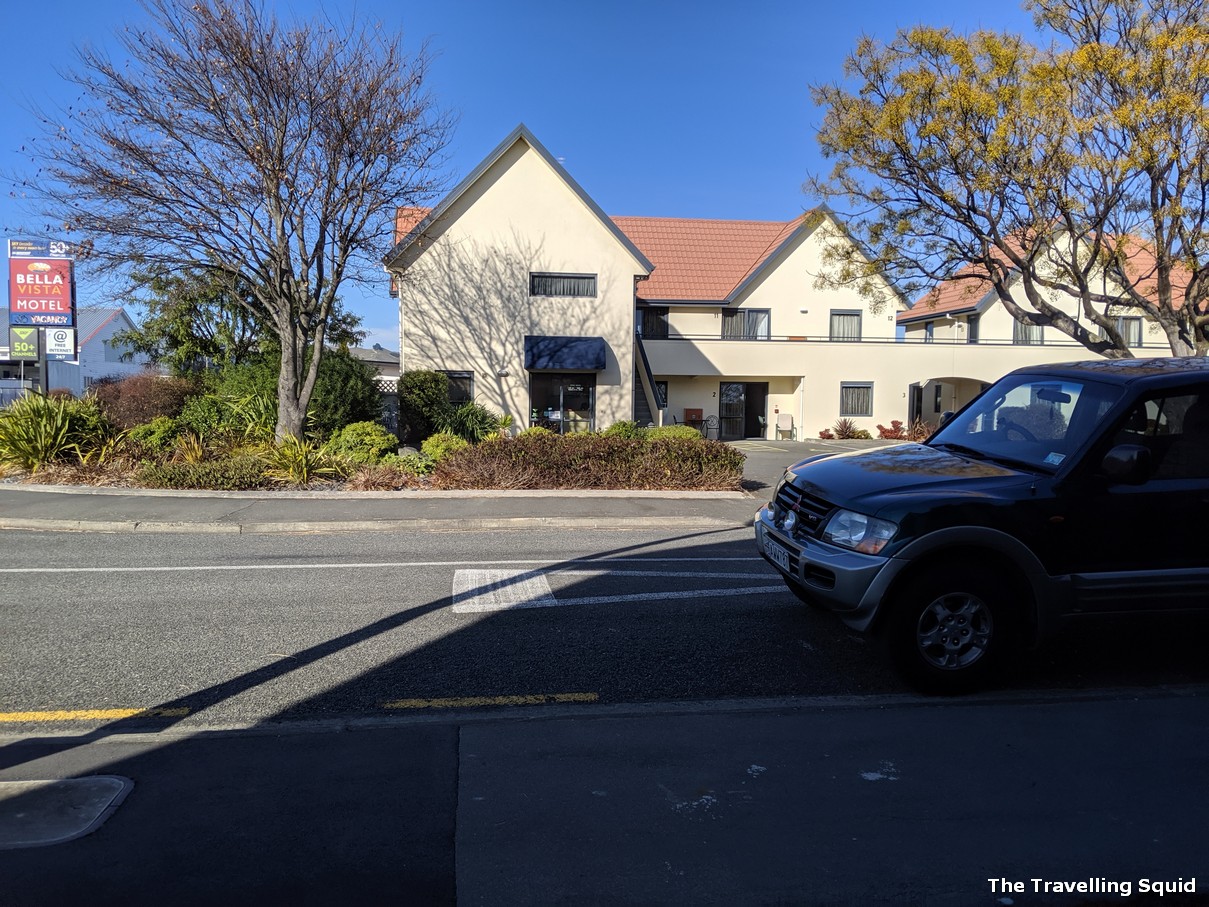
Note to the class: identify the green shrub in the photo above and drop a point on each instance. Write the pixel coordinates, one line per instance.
(625, 429)
(207, 416)
(300, 462)
(155, 438)
(442, 444)
(253, 417)
(231, 474)
(473, 422)
(413, 464)
(36, 430)
(862, 434)
(346, 390)
(535, 431)
(139, 399)
(423, 403)
(686, 432)
(844, 429)
(363, 442)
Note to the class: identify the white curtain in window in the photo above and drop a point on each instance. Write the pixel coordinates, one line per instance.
(856, 400)
(845, 326)
(1026, 334)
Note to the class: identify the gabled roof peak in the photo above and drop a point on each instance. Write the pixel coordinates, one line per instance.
(520, 133)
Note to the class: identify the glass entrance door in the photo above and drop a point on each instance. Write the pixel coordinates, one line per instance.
(742, 409)
(730, 410)
(562, 403)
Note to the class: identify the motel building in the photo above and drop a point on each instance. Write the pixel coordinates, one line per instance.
(540, 306)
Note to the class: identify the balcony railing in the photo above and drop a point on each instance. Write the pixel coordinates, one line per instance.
(920, 341)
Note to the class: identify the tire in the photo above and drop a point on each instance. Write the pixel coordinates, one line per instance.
(949, 632)
(803, 596)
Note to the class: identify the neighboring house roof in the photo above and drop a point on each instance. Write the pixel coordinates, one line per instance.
(415, 221)
(699, 260)
(89, 322)
(964, 293)
(969, 290)
(376, 355)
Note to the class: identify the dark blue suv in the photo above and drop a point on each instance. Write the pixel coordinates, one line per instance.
(1060, 491)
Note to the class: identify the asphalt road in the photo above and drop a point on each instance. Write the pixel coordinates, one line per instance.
(253, 629)
(575, 717)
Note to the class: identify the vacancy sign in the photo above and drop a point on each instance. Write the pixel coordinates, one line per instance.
(40, 290)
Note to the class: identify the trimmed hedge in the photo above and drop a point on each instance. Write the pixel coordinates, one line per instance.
(592, 461)
(235, 474)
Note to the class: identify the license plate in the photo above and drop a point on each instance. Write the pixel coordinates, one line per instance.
(777, 555)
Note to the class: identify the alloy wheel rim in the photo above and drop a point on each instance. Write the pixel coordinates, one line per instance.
(954, 631)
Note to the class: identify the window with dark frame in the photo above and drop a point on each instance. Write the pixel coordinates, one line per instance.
(653, 324)
(856, 398)
(461, 387)
(574, 285)
(929, 331)
(746, 324)
(1026, 334)
(1130, 330)
(845, 326)
(972, 329)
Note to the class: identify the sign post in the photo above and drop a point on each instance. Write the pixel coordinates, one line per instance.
(41, 300)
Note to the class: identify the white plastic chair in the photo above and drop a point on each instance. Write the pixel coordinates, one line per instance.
(785, 427)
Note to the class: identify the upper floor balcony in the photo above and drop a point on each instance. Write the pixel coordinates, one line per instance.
(797, 356)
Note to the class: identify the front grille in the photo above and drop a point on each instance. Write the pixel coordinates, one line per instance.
(811, 511)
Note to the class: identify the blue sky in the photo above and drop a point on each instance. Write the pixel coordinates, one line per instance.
(662, 108)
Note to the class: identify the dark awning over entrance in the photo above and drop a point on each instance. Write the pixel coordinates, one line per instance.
(564, 353)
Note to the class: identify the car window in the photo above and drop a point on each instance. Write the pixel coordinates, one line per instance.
(1030, 419)
(1174, 427)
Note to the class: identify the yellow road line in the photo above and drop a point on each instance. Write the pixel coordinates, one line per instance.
(468, 702)
(90, 715)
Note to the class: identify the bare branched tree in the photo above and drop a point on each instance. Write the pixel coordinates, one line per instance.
(274, 155)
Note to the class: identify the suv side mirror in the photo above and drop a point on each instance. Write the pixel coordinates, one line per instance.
(1128, 463)
(945, 418)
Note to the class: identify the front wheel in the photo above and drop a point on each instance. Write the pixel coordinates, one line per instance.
(949, 634)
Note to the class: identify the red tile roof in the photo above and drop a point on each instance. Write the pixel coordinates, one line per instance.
(963, 291)
(695, 259)
(699, 260)
(960, 293)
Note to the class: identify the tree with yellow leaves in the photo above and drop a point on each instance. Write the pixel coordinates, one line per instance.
(1076, 172)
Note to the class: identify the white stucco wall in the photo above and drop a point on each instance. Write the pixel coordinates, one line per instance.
(464, 300)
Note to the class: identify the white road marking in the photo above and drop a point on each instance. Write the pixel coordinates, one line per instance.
(389, 565)
(479, 591)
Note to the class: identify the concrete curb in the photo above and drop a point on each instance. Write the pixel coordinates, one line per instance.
(418, 495)
(486, 524)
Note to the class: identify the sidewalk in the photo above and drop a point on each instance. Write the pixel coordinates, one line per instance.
(86, 509)
(880, 801)
(54, 508)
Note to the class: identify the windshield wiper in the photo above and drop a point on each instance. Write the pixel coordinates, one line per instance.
(971, 452)
(975, 454)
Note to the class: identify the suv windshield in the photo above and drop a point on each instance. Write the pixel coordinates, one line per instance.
(1030, 420)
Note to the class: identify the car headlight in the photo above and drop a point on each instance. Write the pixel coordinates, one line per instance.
(865, 534)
